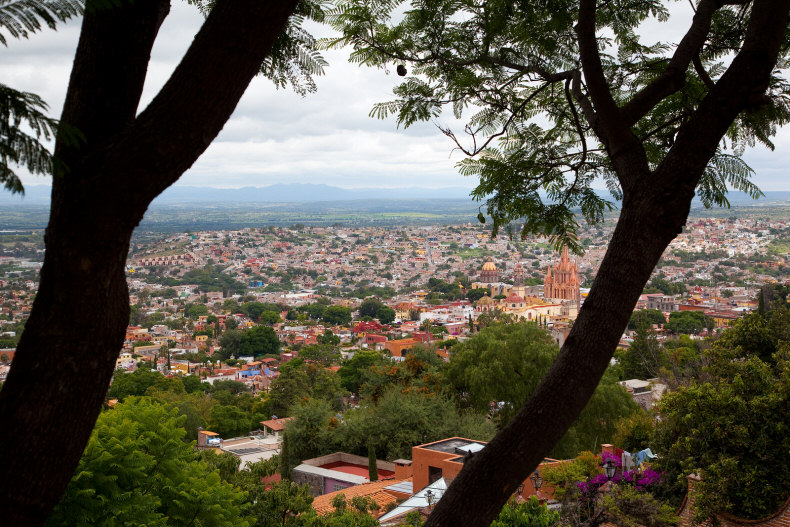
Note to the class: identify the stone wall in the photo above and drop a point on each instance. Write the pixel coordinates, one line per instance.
(315, 481)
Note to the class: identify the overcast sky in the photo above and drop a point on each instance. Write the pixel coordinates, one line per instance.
(276, 136)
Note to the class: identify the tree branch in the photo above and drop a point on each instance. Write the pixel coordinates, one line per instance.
(703, 75)
(605, 106)
(625, 149)
(745, 80)
(673, 77)
(107, 80)
(200, 96)
(475, 149)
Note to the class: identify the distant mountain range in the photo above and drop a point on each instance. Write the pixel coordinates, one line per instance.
(279, 193)
(306, 193)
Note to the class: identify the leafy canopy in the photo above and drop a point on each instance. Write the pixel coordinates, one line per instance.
(730, 424)
(137, 470)
(512, 72)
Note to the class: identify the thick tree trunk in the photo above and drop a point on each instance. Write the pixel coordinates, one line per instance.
(66, 356)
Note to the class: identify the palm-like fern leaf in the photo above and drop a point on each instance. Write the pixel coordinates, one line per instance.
(20, 18)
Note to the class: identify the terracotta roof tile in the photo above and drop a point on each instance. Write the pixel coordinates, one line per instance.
(375, 490)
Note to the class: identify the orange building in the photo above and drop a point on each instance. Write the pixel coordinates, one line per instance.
(400, 348)
(445, 459)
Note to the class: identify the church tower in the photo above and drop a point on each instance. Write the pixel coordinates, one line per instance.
(562, 280)
(518, 281)
(518, 275)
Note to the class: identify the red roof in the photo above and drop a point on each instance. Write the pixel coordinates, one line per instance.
(277, 425)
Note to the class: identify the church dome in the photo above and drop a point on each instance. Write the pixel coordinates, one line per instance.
(489, 265)
(485, 300)
(514, 299)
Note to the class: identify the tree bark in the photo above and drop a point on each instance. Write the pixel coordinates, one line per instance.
(654, 211)
(66, 355)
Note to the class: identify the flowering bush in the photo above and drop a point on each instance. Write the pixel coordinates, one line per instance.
(626, 500)
(639, 480)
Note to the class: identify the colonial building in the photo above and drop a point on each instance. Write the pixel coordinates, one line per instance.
(562, 280)
(489, 274)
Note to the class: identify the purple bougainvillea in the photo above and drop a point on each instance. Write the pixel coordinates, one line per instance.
(640, 480)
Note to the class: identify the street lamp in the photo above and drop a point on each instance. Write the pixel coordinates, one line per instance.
(429, 497)
(537, 481)
(609, 468)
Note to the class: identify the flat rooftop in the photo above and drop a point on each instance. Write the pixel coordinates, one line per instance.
(455, 446)
(353, 468)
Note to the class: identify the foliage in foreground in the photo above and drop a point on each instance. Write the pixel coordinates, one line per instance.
(731, 427)
(137, 470)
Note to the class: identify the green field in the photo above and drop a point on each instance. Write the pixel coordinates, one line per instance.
(779, 247)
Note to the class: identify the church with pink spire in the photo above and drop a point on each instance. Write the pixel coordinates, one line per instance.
(562, 280)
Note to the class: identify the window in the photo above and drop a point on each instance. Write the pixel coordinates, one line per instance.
(434, 473)
(338, 486)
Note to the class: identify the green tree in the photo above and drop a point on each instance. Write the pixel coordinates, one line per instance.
(476, 294)
(230, 386)
(328, 338)
(689, 322)
(385, 314)
(646, 317)
(299, 381)
(289, 388)
(229, 421)
(125, 384)
(370, 307)
(136, 470)
(168, 293)
(633, 432)
(662, 285)
(281, 505)
(644, 358)
(230, 344)
(23, 112)
(259, 340)
(732, 428)
(254, 310)
(270, 317)
(193, 384)
(195, 310)
(337, 315)
(309, 435)
(324, 354)
(354, 371)
(530, 513)
(373, 471)
(315, 310)
(397, 421)
(754, 336)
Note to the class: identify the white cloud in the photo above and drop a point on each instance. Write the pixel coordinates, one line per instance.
(276, 136)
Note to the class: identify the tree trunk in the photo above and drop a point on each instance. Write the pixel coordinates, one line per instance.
(66, 355)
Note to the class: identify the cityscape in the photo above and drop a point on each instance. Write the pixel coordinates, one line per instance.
(248, 331)
(341, 263)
